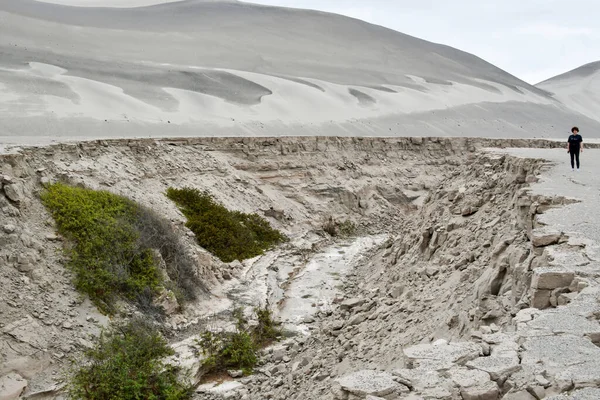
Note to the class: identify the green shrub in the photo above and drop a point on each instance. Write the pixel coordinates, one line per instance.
(230, 235)
(267, 330)
(111, 241)
(104, 254)
(126, 363)
(228, 350)
(238, 349)
(347, 228)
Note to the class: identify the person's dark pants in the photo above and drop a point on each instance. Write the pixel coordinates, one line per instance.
(574, 157)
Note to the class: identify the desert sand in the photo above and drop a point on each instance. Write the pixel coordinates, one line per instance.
(110, 3)
(224, 68)
(579, 89)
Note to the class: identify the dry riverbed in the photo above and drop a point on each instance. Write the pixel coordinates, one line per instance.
(447, 256)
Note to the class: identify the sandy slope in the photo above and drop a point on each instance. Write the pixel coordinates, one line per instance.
(579, 89)
(111, 3)
(234, 69)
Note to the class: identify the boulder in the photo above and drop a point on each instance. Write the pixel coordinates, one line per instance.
(543, 239)
(279, 352)
(223, 390)
(558, 352)
(468, 210)
(351, 303)
(357, 319)
(396, 291)
(421, 381)
(540, 298)
(14, 192)
(573, 361)
(551, 278)
(498, 367)
(185, 358)
(485, 391)
(12, 386)
(441, 355)
(374, 383)
(526, 315)
(49, 392)
(581, 375)
(563, 321)
(565, 298)
(9, 228)
(6, 179)
(235, 373)
(27, 366)
(303, 362)
(465, 378)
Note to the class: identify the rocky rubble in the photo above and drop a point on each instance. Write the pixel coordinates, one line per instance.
(44, 322)
(467, 299)
(486, 341)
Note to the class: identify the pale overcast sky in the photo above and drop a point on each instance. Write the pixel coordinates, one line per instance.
(532, 39)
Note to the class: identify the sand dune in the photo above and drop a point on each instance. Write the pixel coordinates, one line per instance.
(112, 3)
(578, 89)
(229, 68)
(246, 37)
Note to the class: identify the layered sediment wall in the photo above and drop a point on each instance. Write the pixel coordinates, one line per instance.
(448, 307)
(304, 143)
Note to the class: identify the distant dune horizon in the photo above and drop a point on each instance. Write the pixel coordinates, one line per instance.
(226, 68)
(578, 89)
(119, 3)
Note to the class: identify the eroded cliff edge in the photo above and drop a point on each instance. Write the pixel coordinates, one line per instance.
(441, 302)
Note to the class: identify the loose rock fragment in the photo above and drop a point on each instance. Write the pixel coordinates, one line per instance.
(12, 386)
(367, 382)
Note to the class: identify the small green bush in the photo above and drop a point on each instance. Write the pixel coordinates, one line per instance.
(267, 329)
(228, 350)
(126, 363)
(347, 228)
(104, 254)
(230, 235)
(238, 349)
(111, 243)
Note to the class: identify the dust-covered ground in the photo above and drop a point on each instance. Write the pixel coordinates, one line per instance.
(458, 282)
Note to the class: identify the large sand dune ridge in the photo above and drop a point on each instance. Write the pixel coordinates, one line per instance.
(228, 68)
(578, 89)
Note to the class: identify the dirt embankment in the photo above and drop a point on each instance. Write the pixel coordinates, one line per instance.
(458, 260)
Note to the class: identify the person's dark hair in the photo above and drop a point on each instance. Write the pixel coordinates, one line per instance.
(573, 129)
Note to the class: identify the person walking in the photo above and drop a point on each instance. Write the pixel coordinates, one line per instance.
(574, 147)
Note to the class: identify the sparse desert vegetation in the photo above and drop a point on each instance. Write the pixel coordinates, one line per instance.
(238, 350)
(342, 229)
(230, 235)
(113, 246)
(127, 363)
(463, 242)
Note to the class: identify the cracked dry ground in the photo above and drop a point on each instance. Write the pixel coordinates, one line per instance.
(443, 309)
